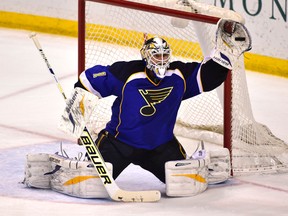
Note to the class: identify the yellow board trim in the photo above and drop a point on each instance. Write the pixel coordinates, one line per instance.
(38, 23)
(254, 62)
(266, 64)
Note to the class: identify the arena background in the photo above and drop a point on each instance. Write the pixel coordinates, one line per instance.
(266, 20)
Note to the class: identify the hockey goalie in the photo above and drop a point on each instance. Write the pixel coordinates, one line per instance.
(148, 95)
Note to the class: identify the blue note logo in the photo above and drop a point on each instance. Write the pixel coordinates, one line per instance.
(153, 97)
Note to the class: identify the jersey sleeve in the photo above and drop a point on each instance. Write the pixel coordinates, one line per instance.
(99, 81)
(201, 77)
(212, 75)
(190, 72)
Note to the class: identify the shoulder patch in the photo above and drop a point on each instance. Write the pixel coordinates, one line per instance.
(95, 75)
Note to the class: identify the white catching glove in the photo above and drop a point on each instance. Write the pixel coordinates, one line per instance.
(221, 58)
(232, 38)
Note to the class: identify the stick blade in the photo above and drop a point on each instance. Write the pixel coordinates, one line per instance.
(137, 196)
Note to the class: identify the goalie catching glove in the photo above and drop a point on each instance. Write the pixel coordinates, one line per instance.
(232, 38)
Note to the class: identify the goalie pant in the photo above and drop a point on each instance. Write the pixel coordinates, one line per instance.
(79, 179)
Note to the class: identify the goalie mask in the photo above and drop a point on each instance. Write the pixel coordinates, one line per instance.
(157, 54)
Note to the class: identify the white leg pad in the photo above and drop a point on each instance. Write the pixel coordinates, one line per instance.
(64, 175)
(36, 166)
(186, 177)
(81, 182)
(219, 167)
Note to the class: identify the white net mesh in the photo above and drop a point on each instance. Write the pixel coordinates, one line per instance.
(114, 33)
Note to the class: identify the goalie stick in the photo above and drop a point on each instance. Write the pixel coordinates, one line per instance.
(109, 183)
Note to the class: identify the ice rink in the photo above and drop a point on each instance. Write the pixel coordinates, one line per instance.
(30, 111)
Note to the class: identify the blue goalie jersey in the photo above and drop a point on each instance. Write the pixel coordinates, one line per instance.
(144, 111)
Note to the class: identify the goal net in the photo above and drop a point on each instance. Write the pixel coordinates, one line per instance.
(114, 30)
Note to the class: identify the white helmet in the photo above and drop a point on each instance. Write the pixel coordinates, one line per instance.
(157, 54)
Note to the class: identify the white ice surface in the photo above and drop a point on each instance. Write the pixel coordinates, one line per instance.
(30, 106)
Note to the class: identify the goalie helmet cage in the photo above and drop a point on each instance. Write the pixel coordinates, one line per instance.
(114, 30)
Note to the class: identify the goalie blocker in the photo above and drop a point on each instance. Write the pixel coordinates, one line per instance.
(78, 110)
(79, 179)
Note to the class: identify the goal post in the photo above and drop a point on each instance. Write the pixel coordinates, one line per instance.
(112, 30)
